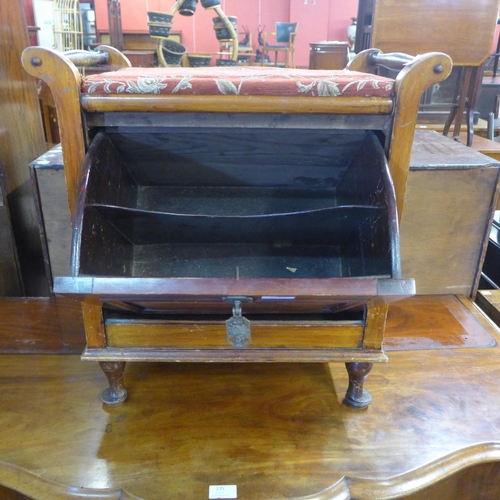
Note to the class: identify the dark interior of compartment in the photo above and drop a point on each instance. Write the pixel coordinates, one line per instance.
(236, 203)
(244, 171)
(346, 316)
(216, 310)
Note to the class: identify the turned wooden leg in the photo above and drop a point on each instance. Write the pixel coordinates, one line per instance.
(116, 393)
(356, 396)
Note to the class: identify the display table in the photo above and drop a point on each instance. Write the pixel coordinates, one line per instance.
(274, 430)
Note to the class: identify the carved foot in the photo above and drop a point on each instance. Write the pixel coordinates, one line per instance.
(116, 393)
(356, 396)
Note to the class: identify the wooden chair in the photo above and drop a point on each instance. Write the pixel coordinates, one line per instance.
(245, 47)
(493, 126)
(285, 40)
(236, 214)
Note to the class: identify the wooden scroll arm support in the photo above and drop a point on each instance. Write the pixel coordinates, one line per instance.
(417, 74)
(368, 61)
(44, 63)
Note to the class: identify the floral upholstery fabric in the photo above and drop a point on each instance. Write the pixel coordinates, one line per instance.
(246, 80)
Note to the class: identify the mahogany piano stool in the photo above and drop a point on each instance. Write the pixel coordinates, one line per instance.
(237, 214)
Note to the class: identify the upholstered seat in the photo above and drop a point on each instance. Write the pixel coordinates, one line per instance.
(238, 80)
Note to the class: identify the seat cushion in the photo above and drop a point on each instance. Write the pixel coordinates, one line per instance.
(246, 80)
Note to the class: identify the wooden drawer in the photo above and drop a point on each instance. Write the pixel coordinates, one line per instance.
(197, 333)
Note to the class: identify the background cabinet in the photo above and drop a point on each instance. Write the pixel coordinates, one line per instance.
(328, 55)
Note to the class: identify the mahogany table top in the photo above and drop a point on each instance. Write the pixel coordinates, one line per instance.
(275, 430)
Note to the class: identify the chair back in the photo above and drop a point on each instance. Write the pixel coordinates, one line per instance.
(284, 31)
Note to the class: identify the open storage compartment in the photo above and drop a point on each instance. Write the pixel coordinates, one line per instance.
(235, 244)
(205, 204)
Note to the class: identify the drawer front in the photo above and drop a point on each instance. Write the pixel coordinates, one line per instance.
(212, 335)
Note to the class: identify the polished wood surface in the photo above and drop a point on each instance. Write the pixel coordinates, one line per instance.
(449, 322)
(235, 104)
(275, 430)
(41, 325)
(484, 146)
(212, 334)
(55, 325)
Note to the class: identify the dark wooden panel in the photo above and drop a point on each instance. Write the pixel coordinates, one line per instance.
(294, 204)
(49, 188)
(10, 278)
(217, 156)
(21, 141)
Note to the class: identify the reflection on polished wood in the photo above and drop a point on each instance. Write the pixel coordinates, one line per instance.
(274, 429)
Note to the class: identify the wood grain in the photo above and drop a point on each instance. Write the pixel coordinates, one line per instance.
(436, 322)
(376, 316)
(45, 63)
(94, 323)
(275, 430)
(10, 275)
(236, 104)
(411, 82)
(420, 26)
(444, 231)
(55, 325)
(200, 335)
(41, 325)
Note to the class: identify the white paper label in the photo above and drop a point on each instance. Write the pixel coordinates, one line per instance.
(222, 491)
(277, 297)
